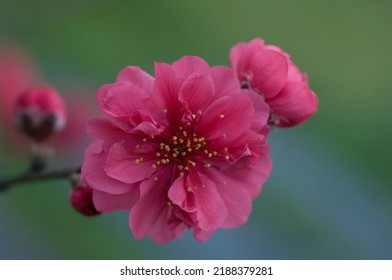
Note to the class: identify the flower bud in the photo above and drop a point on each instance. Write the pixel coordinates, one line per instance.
(82, 201)
(40, 112)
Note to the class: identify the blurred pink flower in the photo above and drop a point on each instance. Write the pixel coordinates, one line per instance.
(269, 71)
(40, 112)
(186, 150)
(17, 73)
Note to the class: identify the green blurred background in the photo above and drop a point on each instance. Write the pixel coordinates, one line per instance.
(329, 193)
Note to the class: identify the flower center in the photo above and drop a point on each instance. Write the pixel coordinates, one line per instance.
(180, 149)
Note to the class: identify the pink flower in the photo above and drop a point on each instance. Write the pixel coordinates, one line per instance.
(269, 71)
(40, 112)
(82, 201)
(184, 150)
(17, 73)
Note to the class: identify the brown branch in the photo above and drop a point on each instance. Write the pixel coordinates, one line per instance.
(31, 176)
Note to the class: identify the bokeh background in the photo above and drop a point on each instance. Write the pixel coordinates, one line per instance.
(329, 195)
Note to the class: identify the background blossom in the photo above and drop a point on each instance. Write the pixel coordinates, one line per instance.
(270, 72)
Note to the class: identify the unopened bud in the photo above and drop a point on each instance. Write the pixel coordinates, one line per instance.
(40, 112)
(82, 201)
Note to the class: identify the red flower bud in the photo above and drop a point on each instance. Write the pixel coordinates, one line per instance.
(40, 112)
(82, 201)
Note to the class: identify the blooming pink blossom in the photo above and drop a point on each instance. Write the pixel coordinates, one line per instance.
(186, 150)
(269, 71)
(40, 112)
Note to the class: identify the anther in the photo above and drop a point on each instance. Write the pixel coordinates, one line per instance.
(221, 116)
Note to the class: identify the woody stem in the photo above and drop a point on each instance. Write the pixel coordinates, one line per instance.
(34, 176)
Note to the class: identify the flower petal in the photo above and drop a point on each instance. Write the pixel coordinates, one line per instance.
(189, 65)
(225, 80)
(227, 117)
(294, 104)
(235, 194)
(94, 175)
(152, 216)
(137, 77)
(262, 110)
(197, 92)
(107, 130)
(128, 164)
(212, 211)
(241, 54)
(179, 196)
(269, 69)
(201, 235)
(106, 202)
(166, 89)
(124, 99)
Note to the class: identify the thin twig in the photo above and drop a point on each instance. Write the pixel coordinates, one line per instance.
(31, 176)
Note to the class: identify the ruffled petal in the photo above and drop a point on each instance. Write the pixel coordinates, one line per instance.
(269, 72)
(227, 117)
(166, 89)
(94, 174)
(241, 54)
(225, 81)
(294, 104)
(106, 202)
(137, 77)
(201, 235)
(152, 215)
(189, 65)
(179, 195)
(262, 110)
(128, 164)
(124, 99)
(212, 211)
(197, 92)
